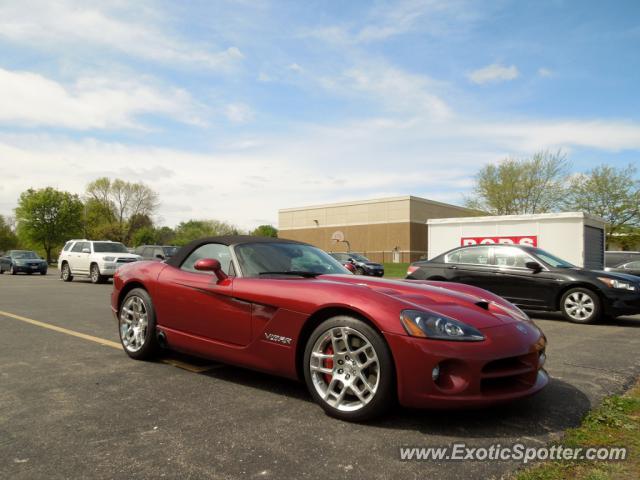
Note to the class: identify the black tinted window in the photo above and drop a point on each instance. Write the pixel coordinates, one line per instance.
(78, 246)
(217, 251)
(472, 256)
(511, 257)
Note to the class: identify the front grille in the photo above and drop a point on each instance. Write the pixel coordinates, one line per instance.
(511, 374)
(125, 260)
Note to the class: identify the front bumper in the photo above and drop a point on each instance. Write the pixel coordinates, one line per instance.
(374, 272)
(621, 302)
(30, 268)
(108, 269)
(507, 365)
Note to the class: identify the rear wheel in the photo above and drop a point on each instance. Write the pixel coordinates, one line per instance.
(12, 270)
(65, 274)
(137, 325)
(580, 305)
(348, 369)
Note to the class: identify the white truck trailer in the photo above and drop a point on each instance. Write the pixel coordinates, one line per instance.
(573, 236)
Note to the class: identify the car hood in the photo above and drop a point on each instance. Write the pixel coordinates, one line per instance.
(29, 260)
(594, 274)
(118, 255)
(371, 264)
(474, 306)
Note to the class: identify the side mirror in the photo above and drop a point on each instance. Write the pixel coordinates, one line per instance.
(535, 266)
(160, 257)
(211, 265)
(350, 267)
(86, 250)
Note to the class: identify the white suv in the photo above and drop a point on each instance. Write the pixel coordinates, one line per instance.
(96, 259)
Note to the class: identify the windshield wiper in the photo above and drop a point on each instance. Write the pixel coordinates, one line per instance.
(295, 273)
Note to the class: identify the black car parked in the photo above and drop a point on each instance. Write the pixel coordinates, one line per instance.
(630, 268)
(613, 259)
(363, 266)
(26, 261)
(155, 252)
(534, 279)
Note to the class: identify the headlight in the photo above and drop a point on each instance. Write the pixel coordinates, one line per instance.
(613, 283)
(108, 259)
(432, 325)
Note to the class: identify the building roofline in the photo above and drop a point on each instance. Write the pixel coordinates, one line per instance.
(374, 200)
(494, 218)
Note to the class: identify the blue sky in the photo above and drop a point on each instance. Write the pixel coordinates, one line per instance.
(233, 109)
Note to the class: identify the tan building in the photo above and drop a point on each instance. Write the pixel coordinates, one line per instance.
(385, 230)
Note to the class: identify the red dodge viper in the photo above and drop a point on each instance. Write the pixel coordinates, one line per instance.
(359, 343)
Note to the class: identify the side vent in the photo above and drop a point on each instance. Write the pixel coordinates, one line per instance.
(483, 304)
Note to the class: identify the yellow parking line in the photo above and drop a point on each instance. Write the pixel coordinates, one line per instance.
(107, 343)
(73, 333)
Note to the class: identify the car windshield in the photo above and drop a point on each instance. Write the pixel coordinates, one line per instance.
(358, 257)
(257, 259)
(169, 251)
(24, 255)
(109, 247)
(552, 260)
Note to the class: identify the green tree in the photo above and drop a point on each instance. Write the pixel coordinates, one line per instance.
(608, 192)
(265, 231)
(165, 236)
(8, 238)
(126, 203)
(48, 217)
(193, 229)
(144, 236)
(533, 185)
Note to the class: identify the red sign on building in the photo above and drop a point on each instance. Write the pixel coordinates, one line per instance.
(529, 240)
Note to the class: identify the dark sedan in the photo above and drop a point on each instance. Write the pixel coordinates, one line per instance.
(26, 261)
(535, 280)
(156, 252)
(362, 265)
(630, 268)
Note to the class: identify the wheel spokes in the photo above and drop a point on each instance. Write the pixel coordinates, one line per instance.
(344, 368)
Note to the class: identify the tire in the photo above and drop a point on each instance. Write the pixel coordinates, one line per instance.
(138, 338)
(12, 270)
(43, 272)
(359, 271)
(65, 273)
(94, 274)
(581, 305)
(368, 391)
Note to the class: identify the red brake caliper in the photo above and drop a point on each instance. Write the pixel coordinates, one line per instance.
(328, 363)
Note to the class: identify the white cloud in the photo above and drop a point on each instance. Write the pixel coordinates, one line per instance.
(131, 28)
(363, 158)
(545, 72)
(294, 67)
(397, 90)
(494, 73)
(239, 113)
(29, 99)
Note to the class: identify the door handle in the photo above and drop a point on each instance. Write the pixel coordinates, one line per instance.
(453, 267)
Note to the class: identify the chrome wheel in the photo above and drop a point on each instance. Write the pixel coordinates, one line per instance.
(579, 306)
(95, 274)
(66, 273)
(344, 368)
(134, 321)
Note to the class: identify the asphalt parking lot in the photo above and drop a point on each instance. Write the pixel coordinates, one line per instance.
(71, 407)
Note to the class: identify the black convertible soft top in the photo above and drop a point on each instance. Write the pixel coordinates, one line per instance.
(181, 255)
